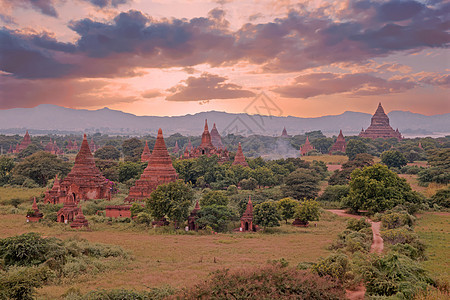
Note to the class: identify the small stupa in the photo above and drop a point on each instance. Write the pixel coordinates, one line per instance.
(340, 144)
(247, 218)
(239, 159)
(36, 215)
(80, 221)
(307, 147)
(192, 225)
(145, 156)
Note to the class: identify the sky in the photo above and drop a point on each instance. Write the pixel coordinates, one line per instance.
(167, 57)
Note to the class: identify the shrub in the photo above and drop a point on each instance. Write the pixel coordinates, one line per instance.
(442, 198)
(353, 241)
(270, 282)
(308, 210)
(334, 193)
(396, 219)
(336, 265)
(21, 282)
(122, 294)
(143, 218)
(358, 224)
(398, 235)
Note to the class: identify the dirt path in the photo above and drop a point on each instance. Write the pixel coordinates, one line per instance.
(376, 247)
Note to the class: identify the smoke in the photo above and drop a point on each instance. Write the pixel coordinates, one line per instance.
(281, 149)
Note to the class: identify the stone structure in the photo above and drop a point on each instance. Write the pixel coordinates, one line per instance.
(92, 146)
(118, 211)
(216, 139)
(192, 225)
(72, 146)
(189, 146)
(145, 156)
(379, 127)
(159, 170)
(54, 195)
(53, 148)
(339, 145)
(69, 211)
(206, 148)
(24, 144)
(247, 218)
(36, 215)
(307, 147)
(284, 133)
(80, 221)
(176, 149)
(239, 159)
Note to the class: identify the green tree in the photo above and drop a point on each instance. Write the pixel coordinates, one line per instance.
(128, 170)
(393, 159)
(6, 166)
(355, 147)
(302, 183)
(287, 208)
(42, 166)
(442, 197)
(248, 184)
(136, 208)
(376, 189)
(216, 216)
(30, 150)
(334, 193)
(171, 200)
(322, 144)
(342, 177)
(214, 198)
(308, 210)
(266, 214)
(132, 149)
(107, 153)
(263, 175)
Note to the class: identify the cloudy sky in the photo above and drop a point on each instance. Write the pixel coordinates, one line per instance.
(171, 57)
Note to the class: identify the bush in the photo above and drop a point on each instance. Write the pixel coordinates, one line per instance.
(353, 241)
(143, 218)
(308, 210)
(270, 282)
(442, 198)
(21, 282)
(358, 224)
(122, 294)
(336, 266)
(334, 193)
(396, 219)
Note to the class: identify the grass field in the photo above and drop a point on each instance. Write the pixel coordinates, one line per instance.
(328, 159)
(427, 191)
(182, 260)
(434, 230)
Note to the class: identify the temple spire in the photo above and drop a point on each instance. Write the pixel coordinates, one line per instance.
(239, 159)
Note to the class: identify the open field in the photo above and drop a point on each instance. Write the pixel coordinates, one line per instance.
(182, 260)
(9, 193)
(328, 159)
(427, 191)
(434, 230)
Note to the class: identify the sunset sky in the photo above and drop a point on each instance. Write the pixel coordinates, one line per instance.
(168, 57)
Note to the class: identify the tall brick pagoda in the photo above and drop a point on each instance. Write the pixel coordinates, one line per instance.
(216, 139)
(247, 218)
(284, 133)
(24, 144)
(239, 158)
(85, 181)
(145, 156)
(80, 221)
(307, 147)
(176, 149)
(379, 127)
(192, 225)
(159, 170)
(340, 144)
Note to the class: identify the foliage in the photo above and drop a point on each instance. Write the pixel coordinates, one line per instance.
(143, 218)
(439, 160)
(248, 184)
(342, 177)
(358, 224)
(42, 166)
(308, 210)
(393, 159)
(21, 282)
(122, 294)
(396, 219)
(129, 170)
(271, 282)
(334, 193)
(135, 209)
(30, 150)
(376, 189)
(336, 266)
(302, 183)
(216, 216)
(172, 200)
(287, 208)
(214, 198)
(442, 197)
(353, 241)
(108, 153)
(6, 166)
(109, 168)
(132, 149)
(355, 147)
(266, 214)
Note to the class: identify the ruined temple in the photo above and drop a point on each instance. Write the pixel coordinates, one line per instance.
(80, 221)
(24, 144)
(54, 195)
(69, 211)
(339, 145)
(85, 181)
(189, 146)
(379, 127)
(192, 225)
(145, 156)
(72, 146)
(92, 146)
(159, 170)
(53, 148)
(284, 133)
(36, 215)
(247, 218)
(216, 139)
(239, 158)
(206, 147)
(307, 147)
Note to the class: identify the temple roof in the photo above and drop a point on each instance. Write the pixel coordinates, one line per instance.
(239, 159)
(145, 153)
(216, 138)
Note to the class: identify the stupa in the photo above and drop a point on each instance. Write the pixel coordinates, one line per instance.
(24, 144)
(36, 215)
(80, 221)
(247, 218)
(216, 139)
(159, 170)
(69, 211)
(85, 181)
(192, 225)
(145, 156)
(54, 195)
(239, 158)
(176, 149)
(92, 146)
(284, 133)
(379, 127)
(307, 147)
(339, 145)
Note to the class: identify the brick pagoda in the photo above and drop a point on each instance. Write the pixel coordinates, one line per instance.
(247, 218)
(69, 211)
(379, 127)
(36, 215)
(239, 158)
(159, 170)
(307, 147)
(80, 221)
(284, 133)
(340, 144)
(192, 225)
(24, 144)
(145, 156)
(176, 149)
(216, 139)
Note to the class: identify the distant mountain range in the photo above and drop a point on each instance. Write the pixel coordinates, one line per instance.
(48, 118)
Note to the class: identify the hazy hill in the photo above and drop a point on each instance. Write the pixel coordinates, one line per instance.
(51, 118)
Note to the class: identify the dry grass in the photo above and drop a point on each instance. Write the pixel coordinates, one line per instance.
(434, 230)
(427, 191)
(182, 260)
(8, 193)
(419, 164)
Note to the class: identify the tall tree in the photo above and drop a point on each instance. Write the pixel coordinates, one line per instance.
(266, 214)
(355, 147)
(393, 159)
(6, 166)
(302, 183)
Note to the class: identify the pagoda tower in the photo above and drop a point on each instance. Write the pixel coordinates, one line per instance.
(379, 127)
(284, 133)
(80, 221)
(216, 139)
(307, 147)
(239, 159)
(85, 181)
(36, 215)
(192, 225)
(340, 143)
(189, 146)
(159, 170)
(69, 211)
(145, 156)
(206, 146)
(247, 218)
(24, 144)
(176, 149)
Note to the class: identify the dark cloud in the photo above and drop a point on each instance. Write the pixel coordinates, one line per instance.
(399, 10)
(107, 3)
(151, 93)
(46, 7)
(316, 84)
(207, 87)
